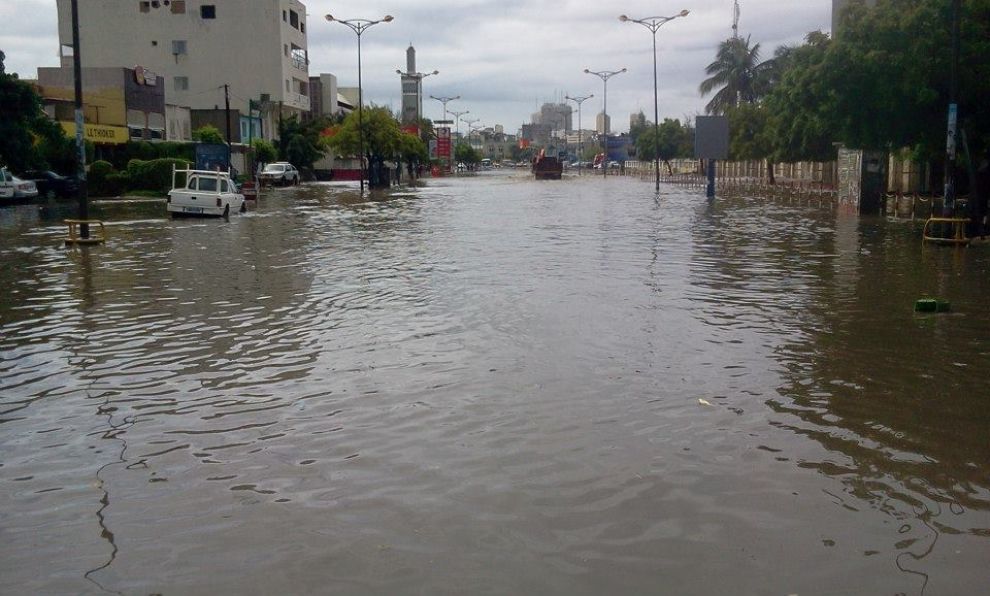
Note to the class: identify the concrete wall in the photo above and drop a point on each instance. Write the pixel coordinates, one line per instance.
(178, 123)
(247, 45)
(201, 118)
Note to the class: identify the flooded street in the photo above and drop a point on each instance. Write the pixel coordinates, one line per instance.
(490, 385)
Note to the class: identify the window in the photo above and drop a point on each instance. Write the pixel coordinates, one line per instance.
(287, 86)
(145, 6)
(302, 26)
(178, 47)
(178, 6)
(208, 11)
(285, 47)
(208, 184)
(283, 16)
(294, 19)
(299, 58)
(223, 186)
(181, 83)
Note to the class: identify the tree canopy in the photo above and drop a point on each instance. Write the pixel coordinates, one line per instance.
(738, 75)
(882, 84)
(383, 139)
(675, 141)
(28, 138)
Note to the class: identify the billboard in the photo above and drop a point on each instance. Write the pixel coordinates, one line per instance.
(443, 143)
(711, 137)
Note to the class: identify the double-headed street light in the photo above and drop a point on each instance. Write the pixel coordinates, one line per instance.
(605, 75)
(579, 101)
(457, 116)
(444, 101)
(654, 24)
(359, 26)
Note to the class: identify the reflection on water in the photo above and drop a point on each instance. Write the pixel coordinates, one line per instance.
(489, 385)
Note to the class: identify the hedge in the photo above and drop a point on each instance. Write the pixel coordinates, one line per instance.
(155, 174)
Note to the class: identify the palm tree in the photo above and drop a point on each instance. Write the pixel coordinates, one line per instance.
(738, 75)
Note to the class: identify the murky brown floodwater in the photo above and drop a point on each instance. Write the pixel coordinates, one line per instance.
(489, 385)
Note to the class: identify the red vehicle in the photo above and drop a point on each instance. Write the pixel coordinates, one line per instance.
(546, 167)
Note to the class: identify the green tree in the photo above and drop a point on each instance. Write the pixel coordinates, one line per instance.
(264, 151)
(737, 75)
(674, 142)
(467, 154)
(28, 139)
(301, 143)
(795, 123)
(208, 134)
(413, 151)
(382, 141)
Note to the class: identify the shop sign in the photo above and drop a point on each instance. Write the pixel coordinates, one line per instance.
(100, 134)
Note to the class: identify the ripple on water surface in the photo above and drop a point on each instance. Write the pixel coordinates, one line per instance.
(484, 384)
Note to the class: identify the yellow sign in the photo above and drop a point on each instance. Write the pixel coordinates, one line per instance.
(99, 133)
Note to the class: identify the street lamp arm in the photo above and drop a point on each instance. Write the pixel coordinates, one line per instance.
(359, 25)
(654, 23)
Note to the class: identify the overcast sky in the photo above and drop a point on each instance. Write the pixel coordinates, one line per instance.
(507, 57)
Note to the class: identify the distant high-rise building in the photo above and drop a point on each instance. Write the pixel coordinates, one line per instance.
(603, 123)
(839, 5)
(556, 116)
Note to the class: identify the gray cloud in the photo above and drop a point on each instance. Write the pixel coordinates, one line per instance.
(504, 57)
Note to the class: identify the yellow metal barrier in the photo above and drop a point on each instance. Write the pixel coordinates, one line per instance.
(94, 236)
(958, 230)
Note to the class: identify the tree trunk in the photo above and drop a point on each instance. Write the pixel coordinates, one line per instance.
(770, 175)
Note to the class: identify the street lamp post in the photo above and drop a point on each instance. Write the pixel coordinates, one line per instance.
(654, 24)
(579, 100)
(470, 124)
(444, 101)
(475, 128)
(359, 26)
(457, 116)
(605, 75)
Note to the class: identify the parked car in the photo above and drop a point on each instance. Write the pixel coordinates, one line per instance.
(280, 172)
(52, 185)
(13, 188)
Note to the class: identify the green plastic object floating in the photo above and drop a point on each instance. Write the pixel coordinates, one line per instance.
(932, 305)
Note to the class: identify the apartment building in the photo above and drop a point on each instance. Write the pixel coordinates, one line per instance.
(256, 47)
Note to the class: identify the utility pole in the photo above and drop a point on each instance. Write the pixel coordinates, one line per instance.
(949, 200)
(80, 126)
(226, 116)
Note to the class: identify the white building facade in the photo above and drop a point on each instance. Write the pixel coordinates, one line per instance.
(256, 47)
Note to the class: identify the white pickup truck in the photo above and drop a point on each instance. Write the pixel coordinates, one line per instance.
(204, 193)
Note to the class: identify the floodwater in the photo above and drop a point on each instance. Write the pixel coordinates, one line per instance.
(489, 385)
